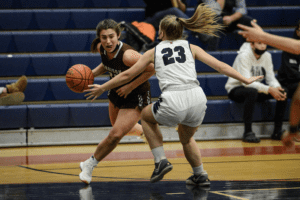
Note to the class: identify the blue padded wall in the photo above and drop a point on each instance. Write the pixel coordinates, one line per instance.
(13, 117)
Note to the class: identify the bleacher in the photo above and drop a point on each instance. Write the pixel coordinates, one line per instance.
(43, 39)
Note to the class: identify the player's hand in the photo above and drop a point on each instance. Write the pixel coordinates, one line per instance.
(124, 91)
(95, 91)
(288, 140)
(252, 34)
(253, 79)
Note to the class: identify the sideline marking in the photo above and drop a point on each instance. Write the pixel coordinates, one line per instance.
(175, 193)
(228, 195)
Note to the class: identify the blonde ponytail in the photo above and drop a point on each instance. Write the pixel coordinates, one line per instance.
(203, 21)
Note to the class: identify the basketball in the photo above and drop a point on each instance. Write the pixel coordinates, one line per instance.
(78, 78)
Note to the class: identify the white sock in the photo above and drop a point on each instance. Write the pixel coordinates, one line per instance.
(198, 170)
(94, 161)
(158, 153)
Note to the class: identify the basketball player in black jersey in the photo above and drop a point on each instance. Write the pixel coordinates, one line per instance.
(126, 101)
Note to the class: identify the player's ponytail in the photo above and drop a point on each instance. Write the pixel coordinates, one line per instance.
(203, 21)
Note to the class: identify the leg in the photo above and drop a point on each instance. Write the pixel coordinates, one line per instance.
(193, 155)
(190, 148)
(249, 97)
(155, 140)
(113, 113)
(124, 122)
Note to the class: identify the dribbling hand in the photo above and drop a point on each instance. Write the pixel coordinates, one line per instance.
(94, 92)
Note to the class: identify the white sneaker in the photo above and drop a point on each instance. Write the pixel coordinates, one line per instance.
(86, 193)
(86, 170)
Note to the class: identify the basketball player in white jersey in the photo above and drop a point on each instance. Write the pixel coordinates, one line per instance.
(182, 100)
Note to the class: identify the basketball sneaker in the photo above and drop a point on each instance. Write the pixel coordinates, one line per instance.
(161, 168)
(18, 86)
(12, 99)
(87, 168)
(201, 180)
(86, 193)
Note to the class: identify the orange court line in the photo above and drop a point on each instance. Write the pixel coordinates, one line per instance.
(114, 156)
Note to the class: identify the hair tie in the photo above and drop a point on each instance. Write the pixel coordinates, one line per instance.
(177, 19)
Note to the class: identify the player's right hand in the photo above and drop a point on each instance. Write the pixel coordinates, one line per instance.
(94, 92)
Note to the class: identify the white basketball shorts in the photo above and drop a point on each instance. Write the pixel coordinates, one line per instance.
(186, 107)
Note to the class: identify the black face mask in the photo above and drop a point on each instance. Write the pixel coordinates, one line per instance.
(259, 52)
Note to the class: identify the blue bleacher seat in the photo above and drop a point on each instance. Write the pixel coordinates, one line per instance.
(128, 15)
(218, 111)
(35, 4)
(133, 4)
(89, 114)
(50, 64)
(87, 18)
(31, 41)
(14, 65)
(89, 59)
(16, 20)
(71, 40)
(215, 85)
(107, 4)
(13, 117)
(36, 89)
(46, 18)
(48, 116)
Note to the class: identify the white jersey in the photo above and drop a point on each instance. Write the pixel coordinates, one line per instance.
(174, 65)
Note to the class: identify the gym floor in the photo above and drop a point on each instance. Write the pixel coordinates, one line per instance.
(237, 170)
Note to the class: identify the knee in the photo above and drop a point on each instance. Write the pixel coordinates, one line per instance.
(114, 137)
(251, 93)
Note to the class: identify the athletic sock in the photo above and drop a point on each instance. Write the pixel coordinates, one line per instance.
(198, 170)
(94, 161)
(159, 154)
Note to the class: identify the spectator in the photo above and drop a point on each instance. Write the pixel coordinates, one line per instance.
(252, 60)
(156, 10)
(13, 93)
(288, 73)
(231, 13)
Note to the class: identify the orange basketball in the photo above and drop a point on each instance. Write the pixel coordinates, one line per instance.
(78, 78)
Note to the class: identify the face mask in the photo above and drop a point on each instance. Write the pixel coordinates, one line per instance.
(259, 52)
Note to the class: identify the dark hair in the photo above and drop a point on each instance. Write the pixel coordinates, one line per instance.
(104, 25)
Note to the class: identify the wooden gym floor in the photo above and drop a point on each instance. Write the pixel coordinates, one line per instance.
(237, 170)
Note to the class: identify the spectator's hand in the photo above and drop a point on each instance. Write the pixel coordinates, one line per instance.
(277, 93)
(253, 79)
(95, 91)
(227, 20)
(124, 91)
(252, 34)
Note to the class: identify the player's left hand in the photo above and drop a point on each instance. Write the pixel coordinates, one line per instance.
(124, 91)
(94, 92)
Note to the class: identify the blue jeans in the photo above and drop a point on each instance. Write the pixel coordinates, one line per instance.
(155, 19)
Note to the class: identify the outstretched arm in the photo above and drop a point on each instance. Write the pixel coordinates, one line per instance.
(96, 90)
(256, 34)
(221, 67)
(130, 58)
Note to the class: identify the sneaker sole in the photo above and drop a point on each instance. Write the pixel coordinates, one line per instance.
(162, 174)
(200, 184)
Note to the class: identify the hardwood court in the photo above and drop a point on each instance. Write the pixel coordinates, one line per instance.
(237, 170)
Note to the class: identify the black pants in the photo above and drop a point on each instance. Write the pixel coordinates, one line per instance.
(249, 96)
(290, 88)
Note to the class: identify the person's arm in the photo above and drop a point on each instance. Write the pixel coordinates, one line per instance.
(217, 6)
(122, 78)
(100, 69)
(130, 58)
(181, 5)
(221, 67)
(256, 34)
